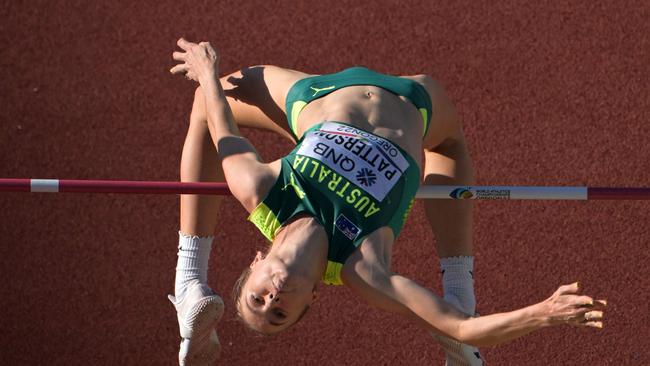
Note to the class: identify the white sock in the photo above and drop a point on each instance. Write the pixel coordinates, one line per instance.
(192, 265)
(458, 282)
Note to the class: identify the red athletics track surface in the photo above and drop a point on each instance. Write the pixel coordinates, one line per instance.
(550, 94)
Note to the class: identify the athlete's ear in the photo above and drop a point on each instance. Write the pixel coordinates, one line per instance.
(258, 257)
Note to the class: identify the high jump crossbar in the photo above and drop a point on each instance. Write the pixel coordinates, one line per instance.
(425, 192)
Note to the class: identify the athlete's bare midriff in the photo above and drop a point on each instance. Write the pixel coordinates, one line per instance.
(373, 109)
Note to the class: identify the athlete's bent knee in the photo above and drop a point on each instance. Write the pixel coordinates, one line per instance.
(198, 94)
(199, 114)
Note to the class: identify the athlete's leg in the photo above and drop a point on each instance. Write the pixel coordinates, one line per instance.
(447, 162)
(257, 96)
(451, 221)
(199, 163)
(198, 307)
(253, 93)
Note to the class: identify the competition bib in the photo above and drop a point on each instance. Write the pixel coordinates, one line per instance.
(371, 162)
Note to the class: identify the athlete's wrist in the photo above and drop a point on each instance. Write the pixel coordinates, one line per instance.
(539, 315)
(209, 80)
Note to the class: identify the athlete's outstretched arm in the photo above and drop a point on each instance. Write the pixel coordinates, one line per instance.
(392, 292)
(247, 175)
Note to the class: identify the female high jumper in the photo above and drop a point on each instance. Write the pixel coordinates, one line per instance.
(334, 205)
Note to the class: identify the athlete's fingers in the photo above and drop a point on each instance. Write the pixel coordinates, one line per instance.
(593, 315)
(179, 69)
(208, 47)
(179, 56)
(587, 318)
(568, 289)
(191, 76)
(593, 324)
(586, 302)
(583, 301)
(601, 302)
(211, 51)
(184, 44)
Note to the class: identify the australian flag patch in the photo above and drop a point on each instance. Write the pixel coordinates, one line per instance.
(346, 226)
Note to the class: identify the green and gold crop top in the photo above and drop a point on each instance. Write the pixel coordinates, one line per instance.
(351, 181)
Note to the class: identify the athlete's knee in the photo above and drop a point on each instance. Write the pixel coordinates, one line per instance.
(429, 83)
(198, 94)
(199, 114)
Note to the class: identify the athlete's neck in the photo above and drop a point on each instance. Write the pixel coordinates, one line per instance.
(302, 246)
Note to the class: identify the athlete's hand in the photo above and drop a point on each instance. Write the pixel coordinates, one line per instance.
(198, 61)
(566, 306)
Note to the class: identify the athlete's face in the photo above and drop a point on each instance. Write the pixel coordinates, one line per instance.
(272, 300)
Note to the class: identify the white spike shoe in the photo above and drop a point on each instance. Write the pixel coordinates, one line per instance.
(198, 313)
